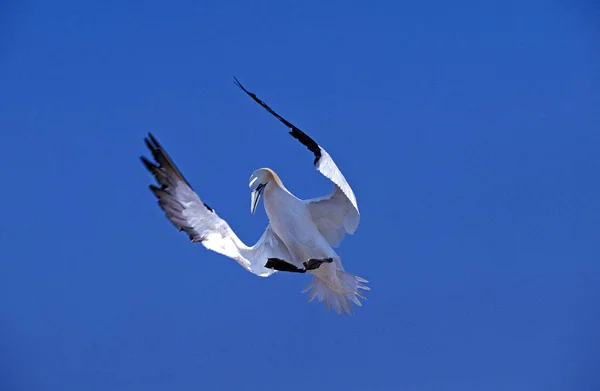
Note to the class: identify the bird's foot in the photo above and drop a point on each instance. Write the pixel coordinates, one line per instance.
(314, 263)
(283, 266)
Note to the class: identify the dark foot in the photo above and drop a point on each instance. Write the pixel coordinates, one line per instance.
(282, 266)
(314, 264)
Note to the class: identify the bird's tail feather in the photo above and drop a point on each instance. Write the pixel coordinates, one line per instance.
(339, 297)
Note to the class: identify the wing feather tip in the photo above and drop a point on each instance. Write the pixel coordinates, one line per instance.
(154, 141)
(148, 164)
(149, 145)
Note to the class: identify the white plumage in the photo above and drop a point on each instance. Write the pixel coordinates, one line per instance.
(300, 236)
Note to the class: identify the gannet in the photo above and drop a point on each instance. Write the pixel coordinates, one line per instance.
(301, 234)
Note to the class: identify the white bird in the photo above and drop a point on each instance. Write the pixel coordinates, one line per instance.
(301, 233)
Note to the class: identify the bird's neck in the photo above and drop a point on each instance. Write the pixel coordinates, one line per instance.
(276, 198)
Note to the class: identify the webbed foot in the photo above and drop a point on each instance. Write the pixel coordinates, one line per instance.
(314, 263)
(282, 266)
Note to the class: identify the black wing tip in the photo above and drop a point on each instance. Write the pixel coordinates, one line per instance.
(308, 142)
(162, 158)
(298, 134)
(149, 145)
(151, 142)
(153, 145)
(250, 94)
(148, 164)
(156, 190)
(237, 83)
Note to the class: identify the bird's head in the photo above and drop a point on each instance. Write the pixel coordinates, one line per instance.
(259, 181)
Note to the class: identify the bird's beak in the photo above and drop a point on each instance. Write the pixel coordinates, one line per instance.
(255, 197)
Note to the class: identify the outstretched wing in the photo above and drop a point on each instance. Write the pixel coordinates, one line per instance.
(336, 213)
(189, 214)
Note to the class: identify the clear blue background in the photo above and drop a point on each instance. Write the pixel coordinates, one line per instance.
(469, 131)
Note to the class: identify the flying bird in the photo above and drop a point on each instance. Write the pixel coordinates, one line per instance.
(301, 234)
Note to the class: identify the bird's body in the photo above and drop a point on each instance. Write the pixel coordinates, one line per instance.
(301, 235)
(292, 222)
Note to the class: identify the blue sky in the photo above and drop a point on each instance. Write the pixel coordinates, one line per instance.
(469, 132)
